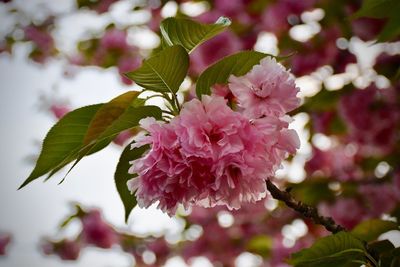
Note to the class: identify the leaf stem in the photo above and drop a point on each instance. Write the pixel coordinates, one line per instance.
(173, 101)
(169, 112)
(153, 96)
(176, 102)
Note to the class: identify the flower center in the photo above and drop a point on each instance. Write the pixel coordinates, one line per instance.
(264, 89)
(214, 137)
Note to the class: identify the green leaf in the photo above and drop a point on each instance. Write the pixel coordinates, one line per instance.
(128, 119)
(163, 72)
(63, 140)
(324, 100)
(395, 255)
(370, 230)
(341, 249)
(260, 244)
(122, 176)
(313, 191)
(107, 114)
(383, 251)
(87, 130)
(382, 9)
(189, 33)
(377, 8)
(381, 246)
(391, 29)
(237, 64)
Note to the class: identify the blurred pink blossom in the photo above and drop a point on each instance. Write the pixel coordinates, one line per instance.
(161, 249)
(128, 63)
(96, 231)
(5, 240)
(237, 11)
(321, 121)
(379, 198)
(367, 29)
(103, 5)
(123, 137)
(317, 52)
(347, 212)
(112, 49)
(396, 184)
(218, 47)
(371, 116)
(66, 249)
(335, 162)
(43, 41)
(218, 244)
(280, 15)
(114, 39)
(280, 252)
(59, 110)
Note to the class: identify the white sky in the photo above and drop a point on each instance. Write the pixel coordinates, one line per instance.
(38, 209)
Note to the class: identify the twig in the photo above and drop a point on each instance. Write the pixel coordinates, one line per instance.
(304, 209)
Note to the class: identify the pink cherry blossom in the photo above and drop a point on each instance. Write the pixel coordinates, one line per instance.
(209, 155)
(96, 231)
(267, 90)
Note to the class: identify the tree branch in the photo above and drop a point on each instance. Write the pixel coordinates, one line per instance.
(306, 210)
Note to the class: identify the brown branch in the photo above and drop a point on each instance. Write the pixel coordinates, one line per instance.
(306, 210)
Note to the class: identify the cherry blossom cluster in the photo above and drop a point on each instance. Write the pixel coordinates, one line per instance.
(211, 155)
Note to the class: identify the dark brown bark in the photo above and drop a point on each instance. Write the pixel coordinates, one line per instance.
(306, 210)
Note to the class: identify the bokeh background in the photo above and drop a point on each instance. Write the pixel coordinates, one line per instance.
(60, 55)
